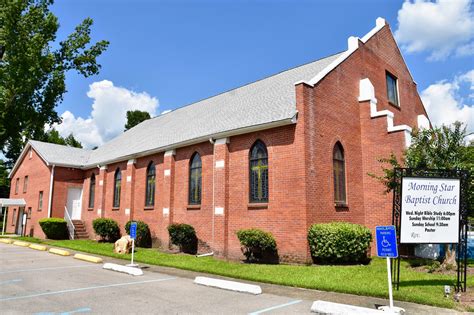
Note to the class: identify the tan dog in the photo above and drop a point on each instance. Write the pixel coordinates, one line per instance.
(123, 245)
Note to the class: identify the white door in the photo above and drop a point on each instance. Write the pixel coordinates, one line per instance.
(74, 203)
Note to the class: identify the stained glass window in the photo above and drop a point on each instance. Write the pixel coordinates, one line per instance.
(258, 172)
(339, 175)
(150, 185)
(195, 174)
(92, 191)
(117, 184)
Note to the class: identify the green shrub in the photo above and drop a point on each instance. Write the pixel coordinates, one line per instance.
(107, 229)
(339, 242)
(143, 238)
(184, 236)
(258, 245)
(54, 228)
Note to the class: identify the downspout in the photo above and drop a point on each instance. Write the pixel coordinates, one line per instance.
(213, 205)
(51, 181)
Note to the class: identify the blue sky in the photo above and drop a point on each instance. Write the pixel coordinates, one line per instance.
(166, 54)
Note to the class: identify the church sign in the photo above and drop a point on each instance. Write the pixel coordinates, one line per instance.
(430, 206)
(430, 210)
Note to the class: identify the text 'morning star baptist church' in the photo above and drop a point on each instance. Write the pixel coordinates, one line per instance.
(278, 154)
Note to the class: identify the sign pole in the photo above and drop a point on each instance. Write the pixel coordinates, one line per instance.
(389, 276)
(133, 250)
(133, 236)
(386, 240)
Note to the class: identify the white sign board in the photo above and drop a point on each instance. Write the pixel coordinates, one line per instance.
(430, 210)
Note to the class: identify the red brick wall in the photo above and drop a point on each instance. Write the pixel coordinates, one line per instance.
(38, 180)
(300, 166)
(64, 178)
(334, 111)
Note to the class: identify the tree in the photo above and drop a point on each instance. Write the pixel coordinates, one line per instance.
(4, 181)
(53, 136)
(134, 117)
(437, 148)
(32, 72)
(72, 142)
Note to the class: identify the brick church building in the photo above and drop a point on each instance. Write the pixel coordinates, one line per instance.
(277, 154)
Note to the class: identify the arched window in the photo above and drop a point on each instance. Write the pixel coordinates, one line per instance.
(339, 174)
(92, 192)
(258, 163)
(150, 185)
(195, 174)
(117, 184)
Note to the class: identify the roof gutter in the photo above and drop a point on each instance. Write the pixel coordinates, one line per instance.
(225, 134)
(51, 182)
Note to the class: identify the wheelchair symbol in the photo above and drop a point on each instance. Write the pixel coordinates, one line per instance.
(385, 243)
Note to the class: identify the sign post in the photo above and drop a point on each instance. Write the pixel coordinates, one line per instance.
(133, 235)
(386, 240)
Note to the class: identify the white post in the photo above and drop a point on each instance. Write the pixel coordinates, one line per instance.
(389, 276)
(133, 250)
(4, 218)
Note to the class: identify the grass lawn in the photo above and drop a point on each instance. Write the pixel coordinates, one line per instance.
(370, 280)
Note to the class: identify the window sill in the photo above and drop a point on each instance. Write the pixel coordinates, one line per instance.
(341, 206)
(263, 205)
(394, 105)
(90, 209)
(115, 208)
(148, 208)
(194, 207)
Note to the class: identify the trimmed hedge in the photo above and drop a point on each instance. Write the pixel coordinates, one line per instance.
(184, 236)
(54, 228)
(339, 242)
(143, 234)
(107, 229)
(258, 245)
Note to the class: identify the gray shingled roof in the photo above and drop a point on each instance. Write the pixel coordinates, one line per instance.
(60, 154)
(259, 103)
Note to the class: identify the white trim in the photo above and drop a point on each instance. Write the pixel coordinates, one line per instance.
(367, 94)
(219, 211)
(50, 197)
(170, 153)
(131, 162)
(221, 141)
(352, 45)
(103, 168)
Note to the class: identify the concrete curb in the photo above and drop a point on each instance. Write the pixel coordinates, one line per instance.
(125, 269)
(6, 240)
(229, 285)
(21, 243)
(58, 251)
(88, 258)
(38, 247)
(326, 308)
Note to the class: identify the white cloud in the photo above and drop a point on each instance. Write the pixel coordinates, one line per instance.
(108, 116)
(444, 102)
(441, 28)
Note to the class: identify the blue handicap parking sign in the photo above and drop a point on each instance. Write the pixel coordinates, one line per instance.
(133, 230)
(386, 239)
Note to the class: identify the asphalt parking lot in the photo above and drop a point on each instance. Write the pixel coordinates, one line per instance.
(35, 282)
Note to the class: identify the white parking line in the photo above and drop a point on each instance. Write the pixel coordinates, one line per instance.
(46, 268)
(83, 289)
(26, 259)
(10, 281)
(275, 307)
